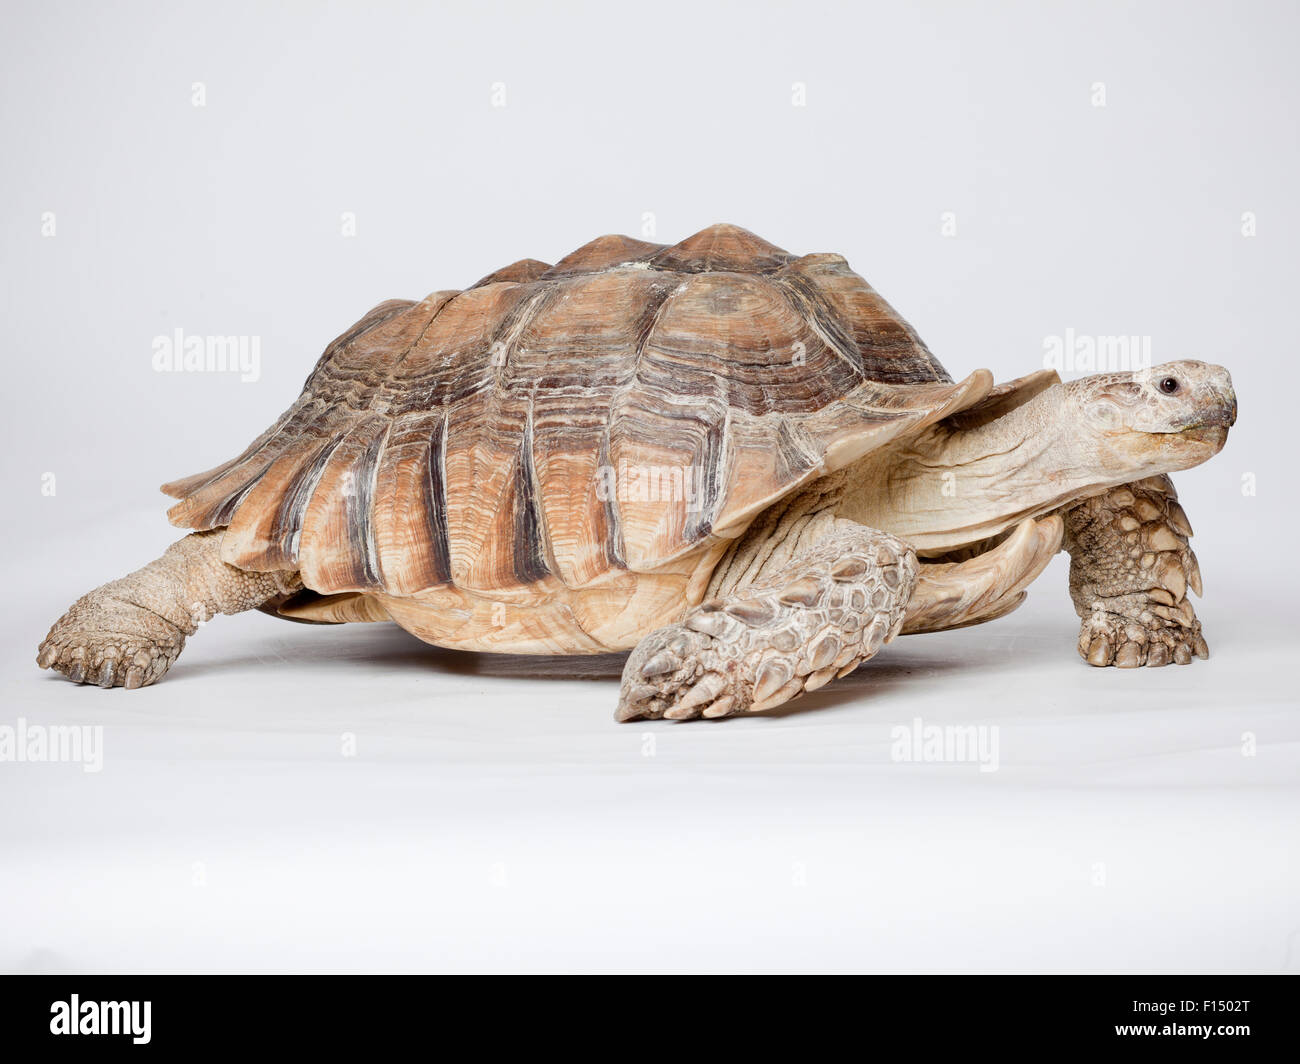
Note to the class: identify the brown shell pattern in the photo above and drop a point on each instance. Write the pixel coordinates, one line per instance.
(555, 424)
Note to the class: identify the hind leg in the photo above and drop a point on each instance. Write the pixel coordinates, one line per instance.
(827, 610)
(128, 632)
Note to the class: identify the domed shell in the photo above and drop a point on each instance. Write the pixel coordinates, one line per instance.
(552, 425)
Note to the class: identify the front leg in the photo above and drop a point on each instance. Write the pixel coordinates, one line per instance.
(1130, 570)
(820, 616)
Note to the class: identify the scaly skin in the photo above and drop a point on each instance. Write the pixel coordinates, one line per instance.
(820, 616)
(1130, 570)
(130, 631)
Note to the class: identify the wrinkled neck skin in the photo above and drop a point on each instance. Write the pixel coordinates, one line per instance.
(951, 487)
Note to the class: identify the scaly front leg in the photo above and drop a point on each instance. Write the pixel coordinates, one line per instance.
(820, 616)
(1130, 570)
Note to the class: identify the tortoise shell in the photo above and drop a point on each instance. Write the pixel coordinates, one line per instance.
(492, 440)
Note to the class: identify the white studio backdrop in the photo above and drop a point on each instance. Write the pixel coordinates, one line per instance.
(1017, 179)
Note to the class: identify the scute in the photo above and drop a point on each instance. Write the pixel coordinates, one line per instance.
(602, 253)
(722, 247)
(561, 427)
(523, 270)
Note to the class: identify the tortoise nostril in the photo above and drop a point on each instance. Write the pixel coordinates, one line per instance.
(1169, 385)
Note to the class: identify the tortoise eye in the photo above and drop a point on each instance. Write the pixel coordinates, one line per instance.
(1169, 385)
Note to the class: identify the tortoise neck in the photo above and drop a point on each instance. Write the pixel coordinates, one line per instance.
(952, 486)
(1015, 449)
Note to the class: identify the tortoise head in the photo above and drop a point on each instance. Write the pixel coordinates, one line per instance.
(1155, 420)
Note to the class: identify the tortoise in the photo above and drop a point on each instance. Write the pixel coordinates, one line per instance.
(741, 464)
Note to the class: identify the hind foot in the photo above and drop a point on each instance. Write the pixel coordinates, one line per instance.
(128, 632)
(107, 641)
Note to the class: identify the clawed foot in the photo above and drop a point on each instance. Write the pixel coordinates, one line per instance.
(666, 676)
(679, 673)
(105, 641)
(1130, 574)
(777, 639)
(1154, 634)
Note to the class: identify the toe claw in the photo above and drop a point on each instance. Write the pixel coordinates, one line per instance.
(1099, 652)
(134, 678)
(819, 679)
(661, 663)
(48, 656)
(772, 676)
(1129, 656)
(707, 690)
(720, 708)
(105, 677)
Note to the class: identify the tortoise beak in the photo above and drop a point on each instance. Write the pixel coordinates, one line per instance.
(1220, 402)
(1213, 403)
(1230, 410)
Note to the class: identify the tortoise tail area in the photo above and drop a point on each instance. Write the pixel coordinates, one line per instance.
(336, 473)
